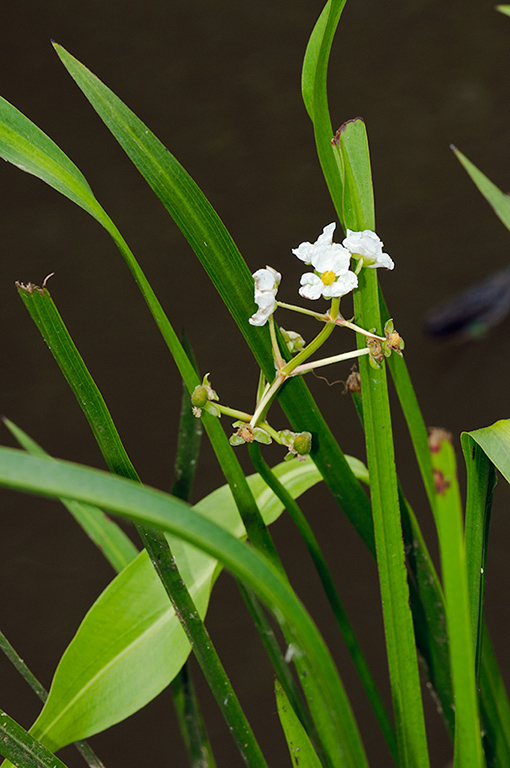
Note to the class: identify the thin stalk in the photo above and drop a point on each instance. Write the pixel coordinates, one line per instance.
(329, 360)
(303, 311)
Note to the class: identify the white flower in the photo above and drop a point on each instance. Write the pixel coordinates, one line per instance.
(332, 277)
(369, 247)
(330, 284)
(324, 244)
(266, 287)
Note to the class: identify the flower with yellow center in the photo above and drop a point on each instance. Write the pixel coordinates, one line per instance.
(331, 277)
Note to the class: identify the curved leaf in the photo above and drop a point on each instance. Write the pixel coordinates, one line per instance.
(333, 717)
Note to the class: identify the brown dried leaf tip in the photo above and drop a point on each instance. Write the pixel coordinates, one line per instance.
(436, 436)
(31, 287)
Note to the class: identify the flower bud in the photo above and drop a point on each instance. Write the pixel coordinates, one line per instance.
(303, 443)
(200, 396)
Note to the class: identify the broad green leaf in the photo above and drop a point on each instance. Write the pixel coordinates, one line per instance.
(154, 509)
(130, 645)
(494, 196)
(301, 749)
(21, 749)
(116, 546)
(503, 9)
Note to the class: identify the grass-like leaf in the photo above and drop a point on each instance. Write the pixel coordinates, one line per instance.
(494, 196)
(494, 442)
(22, 749)
(301, 749)
(357, 204)
(450, 529)
(315, 96)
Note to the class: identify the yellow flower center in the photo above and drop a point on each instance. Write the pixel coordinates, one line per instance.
(328, 277)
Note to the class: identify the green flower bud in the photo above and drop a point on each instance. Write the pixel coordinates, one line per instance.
(303, 443)
(200, 396)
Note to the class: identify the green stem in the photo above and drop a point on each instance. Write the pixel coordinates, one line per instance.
(303, 311)
(347, 324)
(329, 360)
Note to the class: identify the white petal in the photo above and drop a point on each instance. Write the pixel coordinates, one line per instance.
(327, 235)
(334, 258)
(306, 251)
(365, 243)
(266, 279)
(384, 260)
(344, 284)
(311, 286)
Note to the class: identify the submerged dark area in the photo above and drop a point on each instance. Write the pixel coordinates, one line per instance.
(219, 83)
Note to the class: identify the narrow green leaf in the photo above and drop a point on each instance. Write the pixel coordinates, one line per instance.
(494, 441)
(503, 9)
(494, 196)
(315, 96)
(301, 749)
(156, 510)
(21, 749)
(495, 708)
(116, 546)
(358, 196)
(450, 529)
(398, 623)
(481, 481)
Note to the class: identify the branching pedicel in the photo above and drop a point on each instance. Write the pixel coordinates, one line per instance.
(331, 278)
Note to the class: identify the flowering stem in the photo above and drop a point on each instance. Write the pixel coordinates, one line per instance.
(347, 324)
(279, 361)
(265, 401)
(303, 311)
(329, 360)
(242, 415)
(310, 348)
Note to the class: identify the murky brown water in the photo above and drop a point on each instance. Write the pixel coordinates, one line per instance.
(218, 82)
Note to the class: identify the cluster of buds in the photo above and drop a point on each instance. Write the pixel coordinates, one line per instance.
(332, 277)
(380, 348)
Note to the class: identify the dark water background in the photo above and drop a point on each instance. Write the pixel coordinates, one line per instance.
(219, 83)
